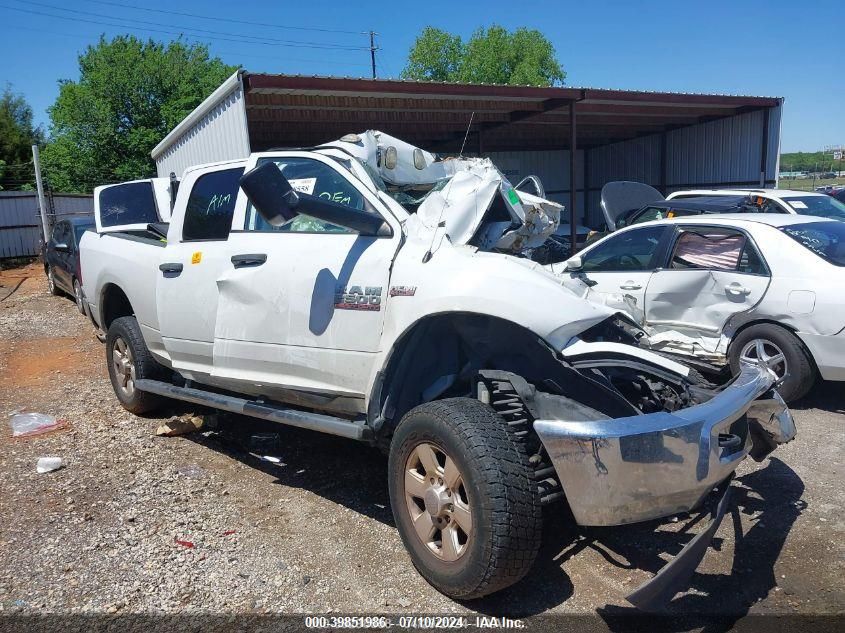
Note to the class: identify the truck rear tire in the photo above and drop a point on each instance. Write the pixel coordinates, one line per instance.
(464, 498)
(781, 351)
(128, 360)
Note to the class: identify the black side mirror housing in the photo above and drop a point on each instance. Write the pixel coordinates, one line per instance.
(277, 202)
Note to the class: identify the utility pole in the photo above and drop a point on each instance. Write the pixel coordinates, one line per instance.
(45, 227)
(373, 51)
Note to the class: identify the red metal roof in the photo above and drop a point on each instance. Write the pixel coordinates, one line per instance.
(294, 110)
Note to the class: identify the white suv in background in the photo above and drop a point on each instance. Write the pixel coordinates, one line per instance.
(778, 200)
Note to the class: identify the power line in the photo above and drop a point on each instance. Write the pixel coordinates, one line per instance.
(178, 26)
(216, 52)
(244, 38)
(229, 20)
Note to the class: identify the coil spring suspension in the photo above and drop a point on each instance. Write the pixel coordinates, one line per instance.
(506, 400)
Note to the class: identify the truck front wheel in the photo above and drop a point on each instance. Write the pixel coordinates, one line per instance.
(463, 498)
(128, 361)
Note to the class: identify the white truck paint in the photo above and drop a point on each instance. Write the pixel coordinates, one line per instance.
(357, 332)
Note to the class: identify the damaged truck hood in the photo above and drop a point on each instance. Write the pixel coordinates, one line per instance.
(466, 200)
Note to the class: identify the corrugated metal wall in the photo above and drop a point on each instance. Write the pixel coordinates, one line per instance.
(20, 224)
(221, 134)
(717, 154)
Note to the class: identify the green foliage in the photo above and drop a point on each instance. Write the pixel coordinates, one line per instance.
(129, 95)
(435, 56)
(494, 55)
(810, 162)
(17, 136)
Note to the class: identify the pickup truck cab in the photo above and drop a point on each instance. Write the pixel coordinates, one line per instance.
(369, 289)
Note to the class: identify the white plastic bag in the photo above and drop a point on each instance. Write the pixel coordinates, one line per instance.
(32, 423)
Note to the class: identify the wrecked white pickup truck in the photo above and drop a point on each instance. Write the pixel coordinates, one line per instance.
(368, 289)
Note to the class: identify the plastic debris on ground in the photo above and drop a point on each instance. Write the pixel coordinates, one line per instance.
(180, 426)
(25, 424)
(48, 464)
(187, 544)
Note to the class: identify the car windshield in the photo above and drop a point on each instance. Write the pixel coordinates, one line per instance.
(820, 206)
(825, 239)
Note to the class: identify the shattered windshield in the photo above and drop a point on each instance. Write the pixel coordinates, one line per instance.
(825, 239)
(819, 206)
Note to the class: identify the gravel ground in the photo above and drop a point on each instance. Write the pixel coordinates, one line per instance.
(136, 523)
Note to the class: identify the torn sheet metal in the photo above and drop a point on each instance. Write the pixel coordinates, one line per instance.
(467, 200)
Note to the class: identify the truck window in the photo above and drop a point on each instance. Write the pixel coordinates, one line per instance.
(130, 203)
(317, 179)
(211, 205)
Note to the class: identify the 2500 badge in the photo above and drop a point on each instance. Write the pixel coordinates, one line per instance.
(357, 298)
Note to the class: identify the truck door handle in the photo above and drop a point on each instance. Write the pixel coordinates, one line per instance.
(630, 285)
(244, 261)
(737, 289)
(172, 267)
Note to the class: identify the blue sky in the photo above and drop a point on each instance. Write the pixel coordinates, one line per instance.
(790, 49)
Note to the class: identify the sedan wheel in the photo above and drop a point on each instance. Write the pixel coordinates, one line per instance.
(77, 294)
(51, 282)
(437, 502)
(759, 349)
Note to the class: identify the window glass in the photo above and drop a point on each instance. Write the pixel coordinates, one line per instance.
(131, 203)
(820, 206)
(631, 250)
(708, 249)
(59, 232)
(79, 229)
(825, 239)
(314, 178)
(211, 205)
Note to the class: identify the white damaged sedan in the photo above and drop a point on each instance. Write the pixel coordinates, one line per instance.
(729, 287)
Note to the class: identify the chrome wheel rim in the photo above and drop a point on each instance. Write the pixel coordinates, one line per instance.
(51, 282)
(124, 368)
(763, 349)
(437, 502)
(77, 292)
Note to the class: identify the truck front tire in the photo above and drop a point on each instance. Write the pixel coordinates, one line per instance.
(129, 360)
(464, 498)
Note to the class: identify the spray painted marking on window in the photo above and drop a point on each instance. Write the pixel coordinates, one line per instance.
(357, 298)
(218, 201)
(338, 196)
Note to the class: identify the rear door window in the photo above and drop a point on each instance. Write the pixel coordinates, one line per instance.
(129, 203)
(211, 205)
(703, 248)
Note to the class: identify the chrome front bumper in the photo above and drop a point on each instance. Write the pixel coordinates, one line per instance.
(625, 470)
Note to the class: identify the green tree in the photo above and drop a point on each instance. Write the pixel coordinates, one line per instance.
(435, 56)
(17, 136)
(129, 95)
(493, 55)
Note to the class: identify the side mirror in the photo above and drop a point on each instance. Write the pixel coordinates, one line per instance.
(574, 263)
(277, 202)
(62, 246)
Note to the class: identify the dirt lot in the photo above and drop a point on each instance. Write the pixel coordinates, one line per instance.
(314, 533)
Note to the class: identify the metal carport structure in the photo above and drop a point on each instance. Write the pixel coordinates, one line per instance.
(575, 139)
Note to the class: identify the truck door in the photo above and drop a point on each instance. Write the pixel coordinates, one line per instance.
(712, 274)
(301, 306)
(191, 263)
